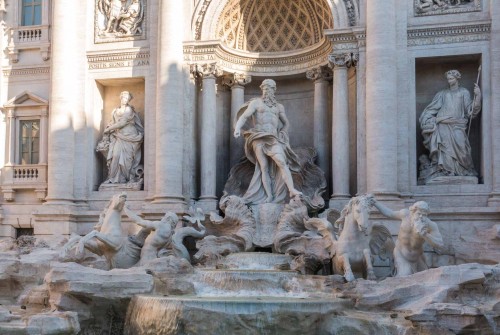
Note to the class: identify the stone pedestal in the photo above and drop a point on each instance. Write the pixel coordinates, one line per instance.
(266, 218)
(453, 180)
(121, 187)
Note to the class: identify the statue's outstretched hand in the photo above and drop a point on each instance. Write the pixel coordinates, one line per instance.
(237, 133)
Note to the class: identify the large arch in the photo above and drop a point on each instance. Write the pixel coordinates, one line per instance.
(345, 13)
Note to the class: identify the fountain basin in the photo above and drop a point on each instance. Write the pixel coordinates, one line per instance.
(231, 315)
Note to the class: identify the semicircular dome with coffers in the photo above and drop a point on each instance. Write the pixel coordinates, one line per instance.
(273, 25)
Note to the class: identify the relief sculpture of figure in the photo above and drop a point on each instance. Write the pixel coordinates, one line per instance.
(121, 143)
(416, 228)
(444, 124)
(267, 146)
(131, 19)
(112, 10)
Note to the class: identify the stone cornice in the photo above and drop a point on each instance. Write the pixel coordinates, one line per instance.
(449, 34)
(31, 71)
(257, 63)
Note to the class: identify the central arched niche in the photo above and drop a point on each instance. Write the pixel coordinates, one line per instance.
(273, 26)
(269, 37)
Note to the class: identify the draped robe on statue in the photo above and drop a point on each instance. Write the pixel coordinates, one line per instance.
(444, 128)
(124, 154)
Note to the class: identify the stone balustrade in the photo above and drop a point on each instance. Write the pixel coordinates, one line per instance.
(29, 37)
(24, 177)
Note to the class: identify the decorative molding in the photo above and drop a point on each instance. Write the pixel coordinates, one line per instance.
(199, 19)
(254, 63)
(117, 60)
(135, 30)
(31, 71)
(236, 79)
(451, 34)
(440, 7)
(320, 73)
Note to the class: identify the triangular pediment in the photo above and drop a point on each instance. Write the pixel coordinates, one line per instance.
(26, 99)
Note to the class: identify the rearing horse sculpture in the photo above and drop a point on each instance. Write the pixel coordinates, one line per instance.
(358, 240)
(108, 238)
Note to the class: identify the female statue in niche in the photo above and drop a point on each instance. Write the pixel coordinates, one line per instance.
(121, 144)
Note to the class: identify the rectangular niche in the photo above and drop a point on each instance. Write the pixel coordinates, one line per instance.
(106, 99)
(429, 80)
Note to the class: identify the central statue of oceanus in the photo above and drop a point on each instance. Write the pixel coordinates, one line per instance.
(267, 147)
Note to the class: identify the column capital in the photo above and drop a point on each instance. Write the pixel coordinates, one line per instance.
(320, 73)
(343, 60)
(207, 70)
(236, 79)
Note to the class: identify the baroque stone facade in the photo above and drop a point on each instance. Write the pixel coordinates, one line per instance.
(354, 76)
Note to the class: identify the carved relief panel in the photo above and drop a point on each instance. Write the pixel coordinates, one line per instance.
(119, 20)
(435, 7)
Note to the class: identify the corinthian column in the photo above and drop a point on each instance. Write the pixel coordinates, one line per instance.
(169, 107)
(236, 82)
(66, 97)
(321, 76)
(208, 162)
(381, 98)
(340, 125)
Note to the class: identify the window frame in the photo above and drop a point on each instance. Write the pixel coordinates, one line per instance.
(32, 4)
(19, 153)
